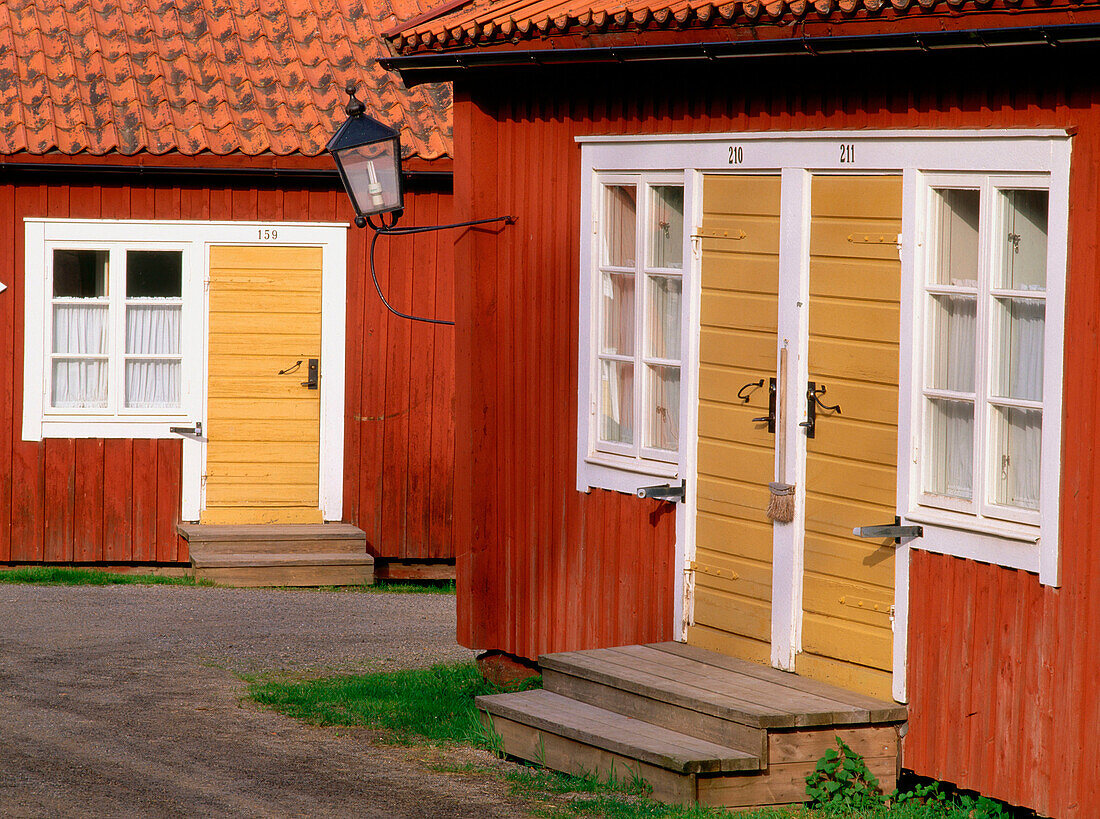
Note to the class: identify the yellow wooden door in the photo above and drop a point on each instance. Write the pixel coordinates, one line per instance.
(737, 347)
(263, 428)
(851, 463)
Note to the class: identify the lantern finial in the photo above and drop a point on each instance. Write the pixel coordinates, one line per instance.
(355, 107)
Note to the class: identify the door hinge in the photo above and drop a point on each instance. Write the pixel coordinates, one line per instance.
(713, 571)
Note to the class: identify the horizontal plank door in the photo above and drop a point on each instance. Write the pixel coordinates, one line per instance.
(851, 462)
(738, 326)
(263, 427)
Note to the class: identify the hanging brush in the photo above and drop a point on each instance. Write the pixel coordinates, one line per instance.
(781, 502)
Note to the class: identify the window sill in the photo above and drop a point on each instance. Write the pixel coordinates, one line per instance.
(993, 542)
(113, 427)
(599, 471)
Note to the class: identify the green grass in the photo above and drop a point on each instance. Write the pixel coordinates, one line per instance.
(60, 576)
(436, 706)
(427, 704)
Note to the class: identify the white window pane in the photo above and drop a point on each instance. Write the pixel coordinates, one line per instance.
(1024, 237)
(153, 329)
(79, 274)
(953, 330)
(666, 227)
(1018, 373)
(620, 223)
(80, 329)
(955, 260)
(79, 383)
(616, 402)
(152, 384)
(663, 332)
(949, 457)
(663, 404)
(1018, 436)
(618, 313)
(154, 274)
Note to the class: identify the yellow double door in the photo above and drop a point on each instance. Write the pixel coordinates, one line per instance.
(836, 590)
(263, 400)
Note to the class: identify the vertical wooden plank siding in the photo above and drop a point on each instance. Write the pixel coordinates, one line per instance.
(1001, 670)
(118, 501)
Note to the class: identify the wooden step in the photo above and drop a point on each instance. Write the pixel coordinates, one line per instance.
(726, 688)
(223, 560)
(358, 574)
(698, 726)
(328, 554)
(270, 538)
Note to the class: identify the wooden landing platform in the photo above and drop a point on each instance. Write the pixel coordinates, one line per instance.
(327, 554)
(698, 726)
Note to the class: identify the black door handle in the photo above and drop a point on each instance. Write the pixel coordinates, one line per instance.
(812, 404)
(770, 417)
(312, 374)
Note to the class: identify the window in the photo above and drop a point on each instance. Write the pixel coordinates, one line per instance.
(985, 348)
(635, 359)
(115, 330)
(114, 311)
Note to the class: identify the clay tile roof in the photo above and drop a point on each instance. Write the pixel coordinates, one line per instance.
(223, 76)
(482, 23)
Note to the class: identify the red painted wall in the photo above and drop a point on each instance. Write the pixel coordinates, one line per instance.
(1003, 672)
(113, 501)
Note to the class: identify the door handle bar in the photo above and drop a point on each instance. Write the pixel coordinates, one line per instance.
(894, 530)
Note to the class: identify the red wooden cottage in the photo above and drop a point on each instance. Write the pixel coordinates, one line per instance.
(848, 247)
(176, 254)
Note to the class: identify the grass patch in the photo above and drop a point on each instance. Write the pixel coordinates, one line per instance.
(425, 704)
(61, 576)
(436, 706)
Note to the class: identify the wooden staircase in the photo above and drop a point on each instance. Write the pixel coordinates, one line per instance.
(325, 554)
(698, 726)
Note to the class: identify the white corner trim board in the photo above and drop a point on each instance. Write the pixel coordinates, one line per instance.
(193, 239)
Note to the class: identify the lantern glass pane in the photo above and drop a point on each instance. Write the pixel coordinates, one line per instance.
(372, 175)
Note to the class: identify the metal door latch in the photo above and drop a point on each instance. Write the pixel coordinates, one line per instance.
(311, 374)
(813, 402)
(196, 430)
(665, 492)
(895, 530)
(770, 417)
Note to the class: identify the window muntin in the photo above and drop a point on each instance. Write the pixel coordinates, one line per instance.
(116, 324)
(985, 291)
(640, 315)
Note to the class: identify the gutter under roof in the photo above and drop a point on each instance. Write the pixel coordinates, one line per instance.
(446, 65)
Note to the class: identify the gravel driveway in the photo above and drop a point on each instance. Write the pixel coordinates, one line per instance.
(125, 701)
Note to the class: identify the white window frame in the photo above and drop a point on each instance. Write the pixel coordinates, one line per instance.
(40, 421)
(40, 418)
(603, 464)
(980, 530)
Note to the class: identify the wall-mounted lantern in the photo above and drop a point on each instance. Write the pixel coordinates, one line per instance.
(368, 157)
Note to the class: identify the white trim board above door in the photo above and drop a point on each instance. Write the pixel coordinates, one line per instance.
(1006, 160)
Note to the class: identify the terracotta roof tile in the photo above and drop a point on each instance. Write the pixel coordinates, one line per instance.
(492, 22)
(224, 76)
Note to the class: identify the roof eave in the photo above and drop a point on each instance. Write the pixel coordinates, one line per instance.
(447, 66)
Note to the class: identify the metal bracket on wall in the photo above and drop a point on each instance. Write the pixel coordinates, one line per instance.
(665, 492)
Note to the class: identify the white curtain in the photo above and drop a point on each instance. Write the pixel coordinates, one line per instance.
(664, 432)
(617, 401)
(1022, 377)
(152, 330)
(79, 330)
(665, 296)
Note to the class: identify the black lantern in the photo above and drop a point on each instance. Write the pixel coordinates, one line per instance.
(368, 156)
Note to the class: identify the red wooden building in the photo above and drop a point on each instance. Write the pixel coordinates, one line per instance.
(849, 247)
(174, 234)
